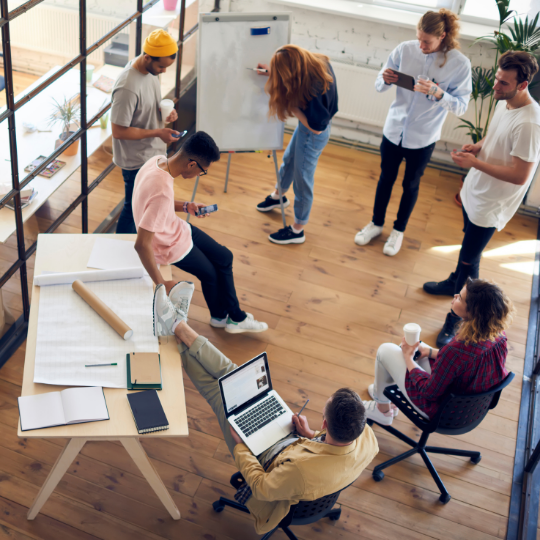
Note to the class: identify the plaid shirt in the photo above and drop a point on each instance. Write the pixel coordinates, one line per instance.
(458, 368)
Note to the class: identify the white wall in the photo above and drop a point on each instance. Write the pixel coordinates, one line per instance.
(351, 41)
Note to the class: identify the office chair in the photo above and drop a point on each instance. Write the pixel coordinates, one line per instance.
(303, 513)
(458, 414)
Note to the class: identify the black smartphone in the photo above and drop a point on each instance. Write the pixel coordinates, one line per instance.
(207, 210)
(404, 80)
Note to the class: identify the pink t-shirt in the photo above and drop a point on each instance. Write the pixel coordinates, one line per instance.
(153, 210)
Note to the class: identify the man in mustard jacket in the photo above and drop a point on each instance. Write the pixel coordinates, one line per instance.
(302, 467)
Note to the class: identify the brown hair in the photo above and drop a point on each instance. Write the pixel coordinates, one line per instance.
(524, 64)
(490, 312)
(296, 75)
(436, 23)
(345, 416)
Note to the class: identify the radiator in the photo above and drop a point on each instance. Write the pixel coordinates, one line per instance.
(55, 31)
(360, 102)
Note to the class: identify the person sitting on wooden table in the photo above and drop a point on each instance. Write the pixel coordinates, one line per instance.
(473, 362)
(303, 466)
(165, 238)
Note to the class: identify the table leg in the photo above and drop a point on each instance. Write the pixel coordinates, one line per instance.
(65, 459)
(138, 455)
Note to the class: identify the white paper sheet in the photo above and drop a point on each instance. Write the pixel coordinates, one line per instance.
(57, 278)
(71, 334)
(109, 254)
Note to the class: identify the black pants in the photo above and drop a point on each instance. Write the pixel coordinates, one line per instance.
(391, 157)
(126, 224)
(474, 242)
(212, 263)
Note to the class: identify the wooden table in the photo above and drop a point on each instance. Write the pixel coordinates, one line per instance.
(69, 253)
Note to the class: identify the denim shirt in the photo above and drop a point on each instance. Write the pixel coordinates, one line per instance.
(415, 119)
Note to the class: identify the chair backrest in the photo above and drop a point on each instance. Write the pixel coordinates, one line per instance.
(306, 512)
(460, 414)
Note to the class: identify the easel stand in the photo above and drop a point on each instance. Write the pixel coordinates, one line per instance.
(278, 181)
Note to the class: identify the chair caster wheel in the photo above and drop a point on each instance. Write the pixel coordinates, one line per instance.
(476, 460)
(217, 506)
(445, 498)
(378, 476)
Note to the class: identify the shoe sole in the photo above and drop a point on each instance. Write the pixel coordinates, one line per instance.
(291, 241)
(270, 208)
(395, 410)
(217, 325)
(451, 295)
(154, 309)
(365, 243)
(191, 288)
(391, 254)
(244, 330)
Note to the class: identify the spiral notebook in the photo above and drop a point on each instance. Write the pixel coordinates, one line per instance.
(147, 411)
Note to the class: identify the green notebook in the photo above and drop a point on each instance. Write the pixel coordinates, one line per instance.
(143, 371)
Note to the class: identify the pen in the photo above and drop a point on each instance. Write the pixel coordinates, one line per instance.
(98, 365)
(260, 70)
(302, 408)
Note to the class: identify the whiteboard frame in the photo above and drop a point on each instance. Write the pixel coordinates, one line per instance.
(257, 17)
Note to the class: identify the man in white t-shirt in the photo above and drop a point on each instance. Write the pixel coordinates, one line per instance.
(502, 166)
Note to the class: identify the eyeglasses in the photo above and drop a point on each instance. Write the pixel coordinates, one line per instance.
(203, 171)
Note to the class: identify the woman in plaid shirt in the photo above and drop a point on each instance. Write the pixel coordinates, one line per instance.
(473, 362)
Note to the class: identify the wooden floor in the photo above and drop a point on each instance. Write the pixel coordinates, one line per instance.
(329, 305)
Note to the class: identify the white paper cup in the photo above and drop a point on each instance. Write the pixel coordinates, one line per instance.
(166, 106)
(411, 332)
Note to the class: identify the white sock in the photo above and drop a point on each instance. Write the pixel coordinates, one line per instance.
(175, 324)
(297, 231)
(275, 197)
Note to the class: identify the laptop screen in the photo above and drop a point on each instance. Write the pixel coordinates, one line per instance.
(245, 383)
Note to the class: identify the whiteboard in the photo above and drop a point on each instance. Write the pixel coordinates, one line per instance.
(232, 106)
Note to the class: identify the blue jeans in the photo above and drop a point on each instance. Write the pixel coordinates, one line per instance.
(298, 168)
(126, 224)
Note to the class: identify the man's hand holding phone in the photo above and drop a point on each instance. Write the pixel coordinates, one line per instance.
(389, 76)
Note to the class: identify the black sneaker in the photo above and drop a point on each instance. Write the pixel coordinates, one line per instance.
(269, 204)
(287, 236)
(448, 330)
(442, 288)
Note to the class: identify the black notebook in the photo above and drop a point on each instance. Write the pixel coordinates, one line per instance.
(147, 411)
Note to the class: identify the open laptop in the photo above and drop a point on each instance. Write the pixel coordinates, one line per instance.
(253, 408)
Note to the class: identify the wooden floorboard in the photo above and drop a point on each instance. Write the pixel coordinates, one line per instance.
(329, 305)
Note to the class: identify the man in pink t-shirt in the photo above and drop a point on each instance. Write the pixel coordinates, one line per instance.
(164, 238)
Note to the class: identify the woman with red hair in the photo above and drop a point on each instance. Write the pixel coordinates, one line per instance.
(300, 84)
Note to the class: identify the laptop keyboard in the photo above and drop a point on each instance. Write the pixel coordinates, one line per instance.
(261, 415)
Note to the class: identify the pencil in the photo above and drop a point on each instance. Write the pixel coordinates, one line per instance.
(302, 408)
(261, 70)
(98, 365)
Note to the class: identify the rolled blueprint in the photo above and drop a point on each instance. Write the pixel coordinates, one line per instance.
(89, 275)
(104, 311)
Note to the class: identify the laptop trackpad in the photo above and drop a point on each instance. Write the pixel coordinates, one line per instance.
(274, 432)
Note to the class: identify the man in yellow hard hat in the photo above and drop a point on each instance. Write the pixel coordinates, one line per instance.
(137, 124)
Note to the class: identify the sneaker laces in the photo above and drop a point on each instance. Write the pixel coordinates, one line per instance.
(182, 309)
(368, 228)
(392, 239)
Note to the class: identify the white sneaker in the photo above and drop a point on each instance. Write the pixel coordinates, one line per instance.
(371, 392)
(218, 323)
(393, 244)
(164, 313)
(249, 324)
(367, 234)
(373, 413)
(180, 297)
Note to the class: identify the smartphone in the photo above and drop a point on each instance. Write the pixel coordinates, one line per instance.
(180, 135)
(207, 210)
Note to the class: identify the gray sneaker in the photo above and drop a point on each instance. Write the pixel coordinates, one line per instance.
(164, 313)
(180, 297)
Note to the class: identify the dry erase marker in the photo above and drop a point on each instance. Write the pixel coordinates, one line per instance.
(302, 408)
(260, 70)
(98, 365)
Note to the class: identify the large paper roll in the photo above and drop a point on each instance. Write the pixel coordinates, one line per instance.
(104, 311)
(89, 275)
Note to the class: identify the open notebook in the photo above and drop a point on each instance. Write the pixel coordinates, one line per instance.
(70, 406)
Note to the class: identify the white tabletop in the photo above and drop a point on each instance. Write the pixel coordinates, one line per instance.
(32, 145)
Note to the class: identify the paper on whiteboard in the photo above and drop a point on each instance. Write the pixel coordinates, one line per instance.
(70, 334)
(57, 278)
(108, 254)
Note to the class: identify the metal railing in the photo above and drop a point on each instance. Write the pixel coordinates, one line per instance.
(17, 333)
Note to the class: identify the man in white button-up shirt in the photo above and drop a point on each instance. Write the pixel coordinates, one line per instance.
(415, 118)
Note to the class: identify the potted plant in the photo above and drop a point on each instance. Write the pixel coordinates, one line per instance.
(524, 36)
(66, 113)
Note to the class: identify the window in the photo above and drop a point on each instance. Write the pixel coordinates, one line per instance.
(487, 9)
(420, 6)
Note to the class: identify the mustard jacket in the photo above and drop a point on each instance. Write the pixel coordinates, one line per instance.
(306, 470)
